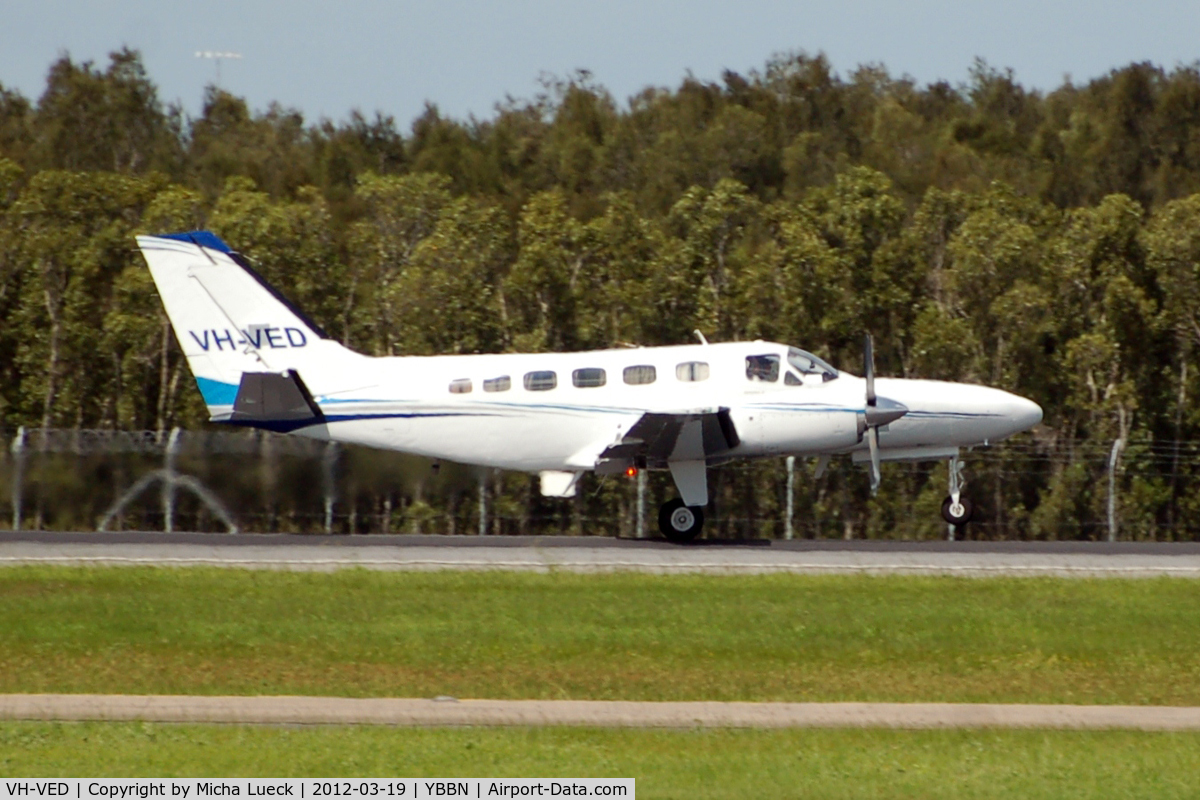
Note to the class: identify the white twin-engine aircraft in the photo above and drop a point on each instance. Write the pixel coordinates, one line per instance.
(260, 362)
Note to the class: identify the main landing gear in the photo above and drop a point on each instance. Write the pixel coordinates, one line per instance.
(956, 509)
(679, 522)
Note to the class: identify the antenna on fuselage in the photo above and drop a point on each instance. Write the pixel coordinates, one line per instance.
(700, 336)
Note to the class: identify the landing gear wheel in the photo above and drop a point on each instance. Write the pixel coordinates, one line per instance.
(678, 522)
(957, 513)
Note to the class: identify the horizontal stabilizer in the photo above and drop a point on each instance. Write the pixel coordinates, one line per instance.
(274, 401)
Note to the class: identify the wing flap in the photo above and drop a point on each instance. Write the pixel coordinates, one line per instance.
(656, 436)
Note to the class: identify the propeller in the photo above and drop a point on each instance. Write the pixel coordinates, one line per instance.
(878, 411)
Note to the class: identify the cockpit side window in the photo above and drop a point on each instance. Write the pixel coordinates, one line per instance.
(790, 379)
(807, 364)
(460, 386)
(763, 368)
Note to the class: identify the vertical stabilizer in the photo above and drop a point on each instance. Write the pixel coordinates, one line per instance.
(228, 320)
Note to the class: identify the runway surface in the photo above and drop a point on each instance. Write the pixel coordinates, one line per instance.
(599, 554)
(591, 713)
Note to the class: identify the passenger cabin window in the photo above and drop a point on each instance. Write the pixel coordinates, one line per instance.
(460, 386)
(791, 379)
(692, 371)
(589, 377)
(501, 384)
(540, 381)
(640, 375)
(762, 368)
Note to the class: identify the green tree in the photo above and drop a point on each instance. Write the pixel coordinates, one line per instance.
(227, 140)
(73, 237)
(291, 243)
(401, 212)
(545, 285)
(111, 120)
(1172, 242)
(639, 288)
(137, 306)
(448, 299)
(712, 229)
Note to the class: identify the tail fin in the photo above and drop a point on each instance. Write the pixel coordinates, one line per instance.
(228, 320)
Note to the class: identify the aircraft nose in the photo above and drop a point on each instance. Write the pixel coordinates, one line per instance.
(1024, 412)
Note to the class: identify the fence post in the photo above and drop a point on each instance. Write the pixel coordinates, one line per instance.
(1114, 459)
(169, 480)
(482, 502)
(1113, 456)
(791, 481)
(18, 451)
(641, 504)
(328, 460)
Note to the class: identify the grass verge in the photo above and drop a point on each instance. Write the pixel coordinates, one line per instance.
(609, 636)
(685, 764)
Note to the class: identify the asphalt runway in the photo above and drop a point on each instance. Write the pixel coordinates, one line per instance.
(294, 710)
(601, 554)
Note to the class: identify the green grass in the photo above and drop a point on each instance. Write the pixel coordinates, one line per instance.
(685, 764)
(615, 636)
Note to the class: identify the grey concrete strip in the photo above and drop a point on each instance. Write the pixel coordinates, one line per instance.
(592, 713)
(730, 560)
(283, 541)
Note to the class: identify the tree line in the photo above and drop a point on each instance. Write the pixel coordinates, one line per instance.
(1046, 243)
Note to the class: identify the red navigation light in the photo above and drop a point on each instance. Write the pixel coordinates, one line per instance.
(631, 472)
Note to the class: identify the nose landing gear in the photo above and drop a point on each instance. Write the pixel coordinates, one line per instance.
(956, 509)
(679, 522)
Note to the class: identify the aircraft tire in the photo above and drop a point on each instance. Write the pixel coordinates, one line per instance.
(679, 522)
(957, 519)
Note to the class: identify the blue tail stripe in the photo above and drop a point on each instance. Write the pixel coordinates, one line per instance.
(203, 238)
(217, 393)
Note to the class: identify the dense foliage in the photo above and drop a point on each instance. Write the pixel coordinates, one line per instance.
(1046, 243)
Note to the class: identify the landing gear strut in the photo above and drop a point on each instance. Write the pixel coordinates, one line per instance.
(956, 509)
(679, 522)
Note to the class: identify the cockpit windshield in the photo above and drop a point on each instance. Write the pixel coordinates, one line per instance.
(808, 364)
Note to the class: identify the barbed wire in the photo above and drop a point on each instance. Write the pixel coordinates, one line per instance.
(88, 441)
(1138, 453)
(1012, 459)
(467, 522)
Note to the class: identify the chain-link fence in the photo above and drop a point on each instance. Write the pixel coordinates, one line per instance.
(238, 479)
(213, 480)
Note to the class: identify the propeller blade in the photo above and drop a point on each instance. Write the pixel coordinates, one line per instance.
(869, 368)
(873, 415)
(873, 444)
